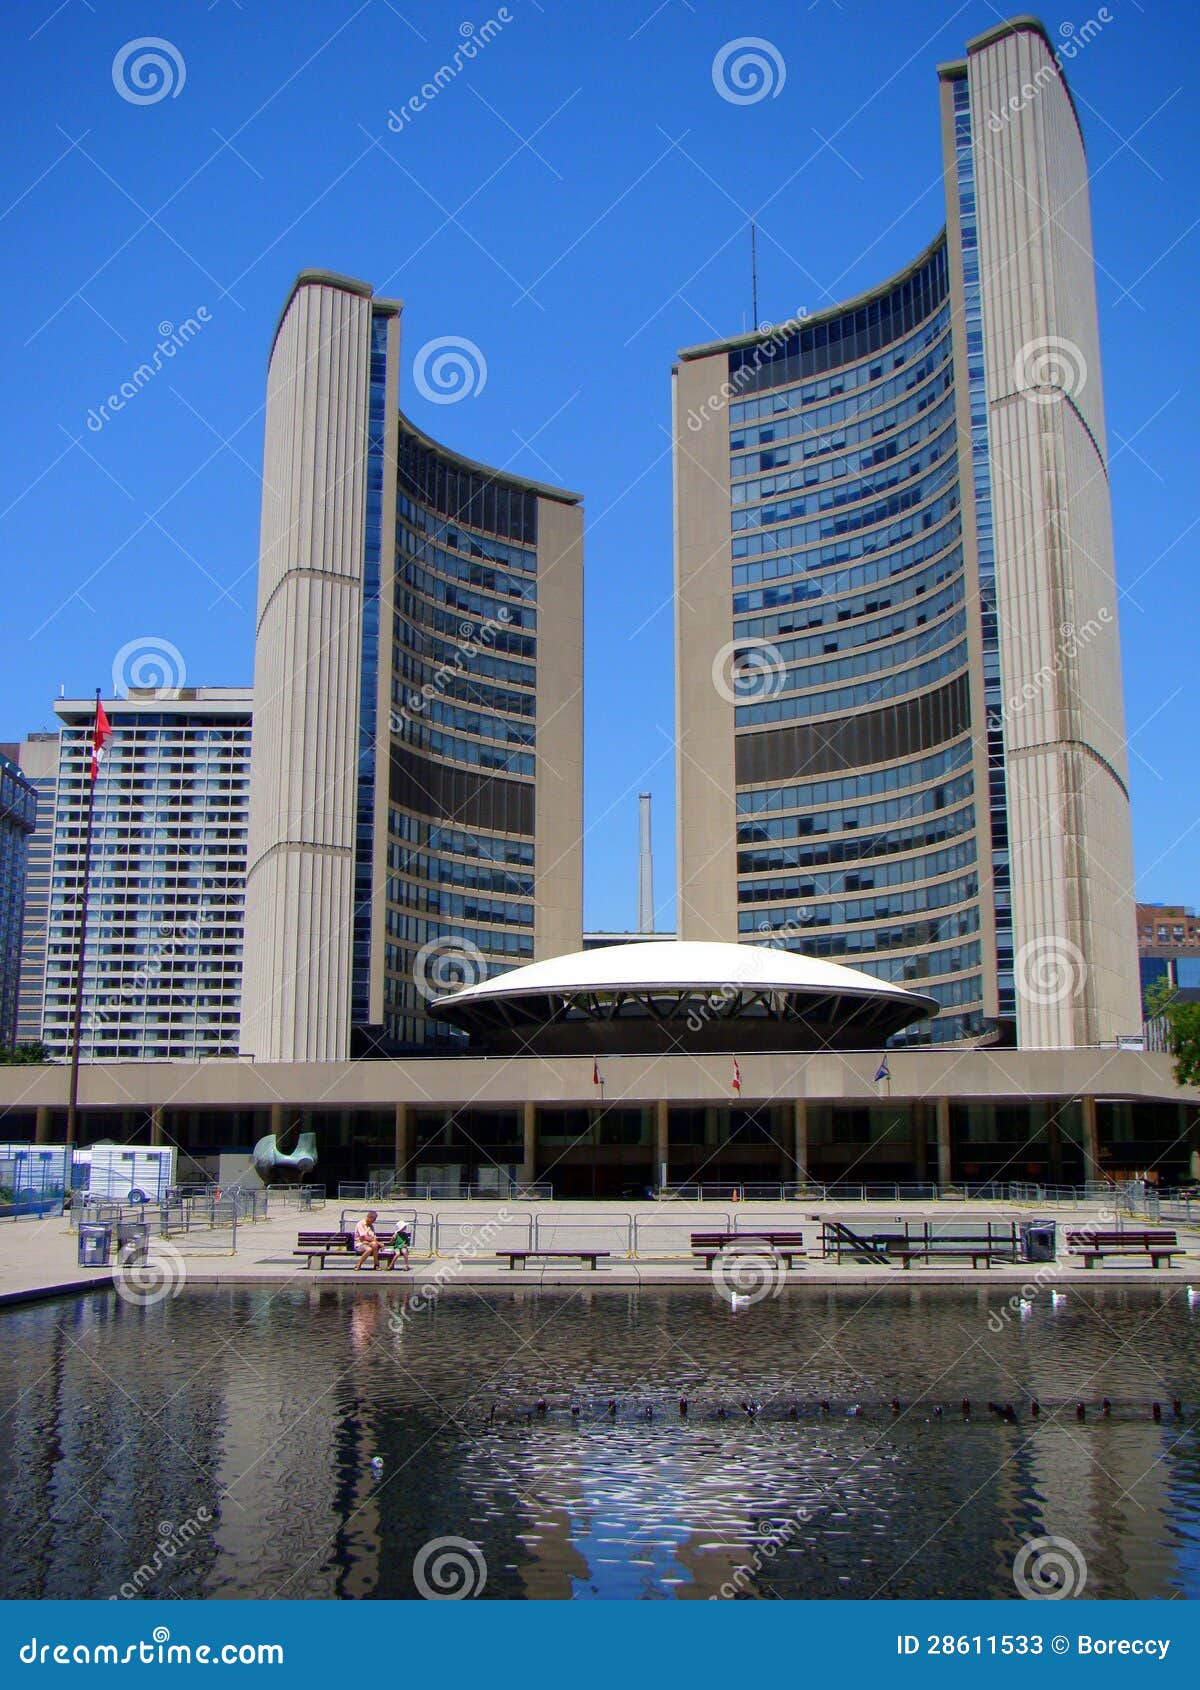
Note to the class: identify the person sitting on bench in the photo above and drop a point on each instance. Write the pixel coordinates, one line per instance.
(366, 1243)
(401, 1243)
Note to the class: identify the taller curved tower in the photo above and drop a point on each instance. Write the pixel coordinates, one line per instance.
(900, 730)
(416, 778)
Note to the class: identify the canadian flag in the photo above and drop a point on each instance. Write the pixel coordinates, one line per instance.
(101, 734)
(737, 1077)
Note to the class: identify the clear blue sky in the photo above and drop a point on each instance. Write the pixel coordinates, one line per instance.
(575, 203)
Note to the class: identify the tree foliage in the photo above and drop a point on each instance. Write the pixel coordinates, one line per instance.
(34, 1051)
(1182, 1022)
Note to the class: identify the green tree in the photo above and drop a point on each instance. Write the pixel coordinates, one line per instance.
(1183, 1029)
(34, 1051)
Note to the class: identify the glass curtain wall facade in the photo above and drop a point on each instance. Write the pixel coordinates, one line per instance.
(163, 961)
(422, 825)
(464, 703)
(849, 577)
(897, 663)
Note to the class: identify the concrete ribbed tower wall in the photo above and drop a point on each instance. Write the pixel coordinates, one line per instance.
(1064, 733)
(300, 880)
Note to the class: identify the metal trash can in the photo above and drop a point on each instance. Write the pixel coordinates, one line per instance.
(1039, 1240)
(95, 1241)
(133, 1242)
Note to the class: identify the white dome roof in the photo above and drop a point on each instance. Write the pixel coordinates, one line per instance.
(679, 964)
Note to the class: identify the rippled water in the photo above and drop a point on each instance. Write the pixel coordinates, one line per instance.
(222, 1442)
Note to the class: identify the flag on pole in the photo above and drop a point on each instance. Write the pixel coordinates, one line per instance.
(737, 1077)
(101, 734)
(883, 1072)
(595, 1072)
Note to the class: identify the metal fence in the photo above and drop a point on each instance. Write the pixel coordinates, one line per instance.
(442, 1191)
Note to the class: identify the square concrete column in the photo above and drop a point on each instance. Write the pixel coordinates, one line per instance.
(529, 1145)
(945, 1167)
(1091, 1140)
(42, 1121)
(1054, 1144)
(800, 1139)
(920, 1143)
(662, 1141)
(401, 1150)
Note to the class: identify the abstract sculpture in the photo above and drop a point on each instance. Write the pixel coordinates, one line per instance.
(274, 1165)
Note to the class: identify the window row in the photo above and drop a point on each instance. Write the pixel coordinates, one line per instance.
(903, 873)
(924, 801)
(809, 436)
(896, 685)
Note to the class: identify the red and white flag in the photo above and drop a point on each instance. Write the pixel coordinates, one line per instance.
(737, 1077)
(595, 1072)
(101, 734)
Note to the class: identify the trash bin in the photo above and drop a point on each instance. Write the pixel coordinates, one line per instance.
(133, 1242)
(95, 1241)
(1039, 1240)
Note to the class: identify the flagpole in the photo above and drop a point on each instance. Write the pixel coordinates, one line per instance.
(77, 1009)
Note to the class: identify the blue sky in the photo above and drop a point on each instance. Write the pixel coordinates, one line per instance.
(576, 204)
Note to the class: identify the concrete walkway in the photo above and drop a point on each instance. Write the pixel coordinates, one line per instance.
(38, 1257)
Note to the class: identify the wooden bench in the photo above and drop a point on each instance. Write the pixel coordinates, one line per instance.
(594, 1257)
(710, 1245)
(908, 1250)
(1096, 1246)
(317, 1246)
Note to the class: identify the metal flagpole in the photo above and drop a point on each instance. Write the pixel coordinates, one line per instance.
(77, 1011)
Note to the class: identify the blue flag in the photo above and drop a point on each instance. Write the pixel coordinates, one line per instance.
(882, 1072)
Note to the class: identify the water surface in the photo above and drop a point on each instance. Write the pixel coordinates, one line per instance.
(291, 1442)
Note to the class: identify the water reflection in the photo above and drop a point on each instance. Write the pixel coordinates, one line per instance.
(323, 1441)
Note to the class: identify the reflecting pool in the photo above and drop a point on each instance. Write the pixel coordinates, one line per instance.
(325, 1440)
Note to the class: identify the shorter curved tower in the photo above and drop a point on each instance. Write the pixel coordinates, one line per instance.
(416, 787)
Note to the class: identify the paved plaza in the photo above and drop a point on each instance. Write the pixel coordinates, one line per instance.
(647, 1243)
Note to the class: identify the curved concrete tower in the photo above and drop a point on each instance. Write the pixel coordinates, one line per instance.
(416, 778)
